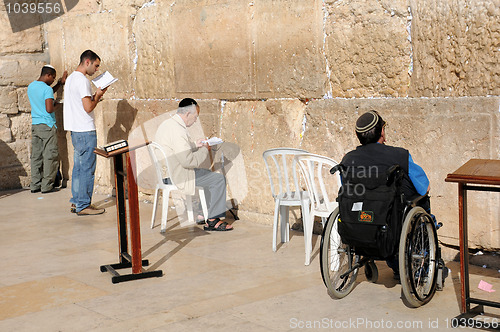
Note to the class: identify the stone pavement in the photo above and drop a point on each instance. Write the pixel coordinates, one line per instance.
(213, 281)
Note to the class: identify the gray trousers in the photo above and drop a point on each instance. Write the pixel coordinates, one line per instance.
(44, 157)
(215, 191)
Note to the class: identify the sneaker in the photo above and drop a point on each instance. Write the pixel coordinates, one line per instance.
(73, 208)
(90, 211)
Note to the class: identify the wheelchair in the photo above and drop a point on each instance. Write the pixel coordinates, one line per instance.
(414, 240)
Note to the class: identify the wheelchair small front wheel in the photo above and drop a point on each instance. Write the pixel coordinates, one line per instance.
(337, 260)
(418, 257)
(371, 271)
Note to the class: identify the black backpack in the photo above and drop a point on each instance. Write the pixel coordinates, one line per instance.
(371, 210)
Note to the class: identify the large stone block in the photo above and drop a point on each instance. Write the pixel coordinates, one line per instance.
(14, 164)
(212, 48)
(113, 48)
(154, 60)
(253, 127)
(23, 100)
(289, 59)
(455, 48)
(367, 48)
(8, 95)
(14, 41)
(21, 126)
(21, 71)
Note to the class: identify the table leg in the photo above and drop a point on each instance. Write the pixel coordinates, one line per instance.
(464, 248)
(135, 225)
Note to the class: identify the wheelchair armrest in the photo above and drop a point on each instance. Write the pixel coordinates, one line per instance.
(415, 201)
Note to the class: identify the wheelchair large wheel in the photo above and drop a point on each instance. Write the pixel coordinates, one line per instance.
(418, 257)
(337, 260)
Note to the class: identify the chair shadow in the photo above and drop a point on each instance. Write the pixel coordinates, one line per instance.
(180, 236)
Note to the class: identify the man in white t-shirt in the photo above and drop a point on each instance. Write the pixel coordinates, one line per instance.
(78, 110)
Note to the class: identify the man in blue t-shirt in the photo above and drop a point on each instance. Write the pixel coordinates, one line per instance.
(44, 151)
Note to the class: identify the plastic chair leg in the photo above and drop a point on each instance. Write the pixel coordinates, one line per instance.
(189, 208)
(203, 201)
(275, 223)
(308, 222)
(164, 213)
(155, 203)
(284, 227)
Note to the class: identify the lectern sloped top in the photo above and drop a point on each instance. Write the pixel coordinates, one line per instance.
(478, 171)
(103, 153)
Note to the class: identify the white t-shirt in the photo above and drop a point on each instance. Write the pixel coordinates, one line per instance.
(75, 117)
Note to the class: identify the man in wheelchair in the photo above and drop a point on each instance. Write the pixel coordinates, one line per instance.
(383, 214)
(373, 159)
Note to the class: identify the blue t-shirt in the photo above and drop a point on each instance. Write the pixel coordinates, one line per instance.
(417, 176)
(38, 92)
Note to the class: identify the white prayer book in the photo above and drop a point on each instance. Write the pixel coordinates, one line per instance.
(213, 141)
(104, 80)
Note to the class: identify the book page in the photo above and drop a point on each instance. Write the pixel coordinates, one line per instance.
(104, 80)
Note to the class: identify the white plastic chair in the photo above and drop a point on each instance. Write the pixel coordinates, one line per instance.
(316, 169)
(286, 192)
(161, 164)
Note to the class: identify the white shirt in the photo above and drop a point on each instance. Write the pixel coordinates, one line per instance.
(75, 117)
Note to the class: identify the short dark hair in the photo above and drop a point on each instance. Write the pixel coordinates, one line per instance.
(367, 130)
(187, 102)
(88, 54)
(46, 70)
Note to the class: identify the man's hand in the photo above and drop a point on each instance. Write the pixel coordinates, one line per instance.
(99, 93)
(63, 78)
(199, 143)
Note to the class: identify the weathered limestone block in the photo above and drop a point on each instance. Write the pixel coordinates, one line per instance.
(14, 164)
(455, 48)
(23, 100)
(212, 48)
(21, 126)
(5, 134)
(255, 126)
(8, 95)
(289, 49)
(82, 6)
(155, 60)
(367, 48)
(113, 48)
(26, 41)
(108, 5)
(20, 72)
(56, 49)
(441, 135)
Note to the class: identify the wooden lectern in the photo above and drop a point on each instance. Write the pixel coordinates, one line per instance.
(475, 175)
(133, 259)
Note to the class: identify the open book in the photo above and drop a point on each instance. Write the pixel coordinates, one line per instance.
(104, 80)
(213, 141)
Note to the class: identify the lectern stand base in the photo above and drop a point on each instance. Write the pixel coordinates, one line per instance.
(116, 278)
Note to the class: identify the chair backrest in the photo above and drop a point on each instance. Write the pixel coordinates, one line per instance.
(316, 169)
(159, 160)
(282, 170)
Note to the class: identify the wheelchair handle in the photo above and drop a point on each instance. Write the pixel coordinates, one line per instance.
(338, 167)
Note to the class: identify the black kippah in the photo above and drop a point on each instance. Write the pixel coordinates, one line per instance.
(367, 121)
(187, 102)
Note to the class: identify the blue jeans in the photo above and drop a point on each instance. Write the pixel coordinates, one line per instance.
(84, 159)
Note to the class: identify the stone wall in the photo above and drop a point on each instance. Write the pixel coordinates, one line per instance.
(272, 73)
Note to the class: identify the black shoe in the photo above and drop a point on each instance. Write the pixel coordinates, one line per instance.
(33, 191)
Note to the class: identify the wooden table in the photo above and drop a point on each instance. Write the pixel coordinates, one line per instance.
(133, 260)
(476, 175)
